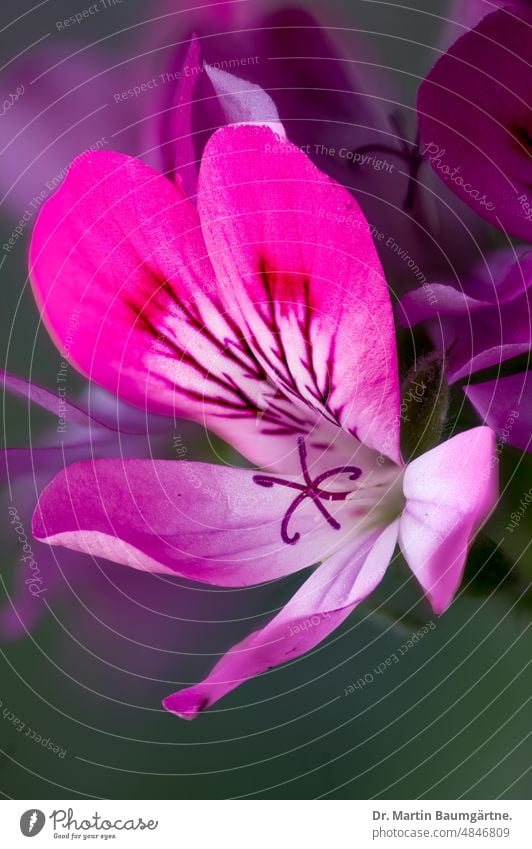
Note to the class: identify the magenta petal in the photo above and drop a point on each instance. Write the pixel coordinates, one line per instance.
(205, 522)
(505, 405)
(121, 271)
(317, 609)
(449, 491)
(293, 250)
(474, 120)
(112, 251)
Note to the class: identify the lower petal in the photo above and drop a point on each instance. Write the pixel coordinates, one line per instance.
(207, 523)
(318, 607)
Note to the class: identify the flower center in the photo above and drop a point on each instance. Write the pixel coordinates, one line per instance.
(310, 489)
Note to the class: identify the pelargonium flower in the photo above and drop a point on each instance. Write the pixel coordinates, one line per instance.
(480, 325)
(263, 314)
(474, 119)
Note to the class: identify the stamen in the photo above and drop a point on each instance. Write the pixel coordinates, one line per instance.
(310, 489)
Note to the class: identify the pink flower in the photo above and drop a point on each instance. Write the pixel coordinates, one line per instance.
(474, 119)
(264, 315)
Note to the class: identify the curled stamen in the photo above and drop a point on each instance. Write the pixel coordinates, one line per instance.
(310, 489)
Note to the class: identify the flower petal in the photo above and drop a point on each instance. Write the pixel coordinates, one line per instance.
(116, 247)
(474, 119)
(127, 291)
(317, 609)
(505, 405)
(449, 493)
(294, 251)
(205, 522)
(243, 102)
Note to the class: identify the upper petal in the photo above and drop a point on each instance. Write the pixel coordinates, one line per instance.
(111, 253)
(317, 608)
(293, 250)
(449, 493)
(121, 272)
(475, 119)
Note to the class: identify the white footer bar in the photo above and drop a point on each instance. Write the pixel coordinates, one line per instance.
(244, 824)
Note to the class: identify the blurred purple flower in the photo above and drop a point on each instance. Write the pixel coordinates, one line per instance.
(475, 121)
(481, 325)
(345, 113)
(65, 108)
(164, 98)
